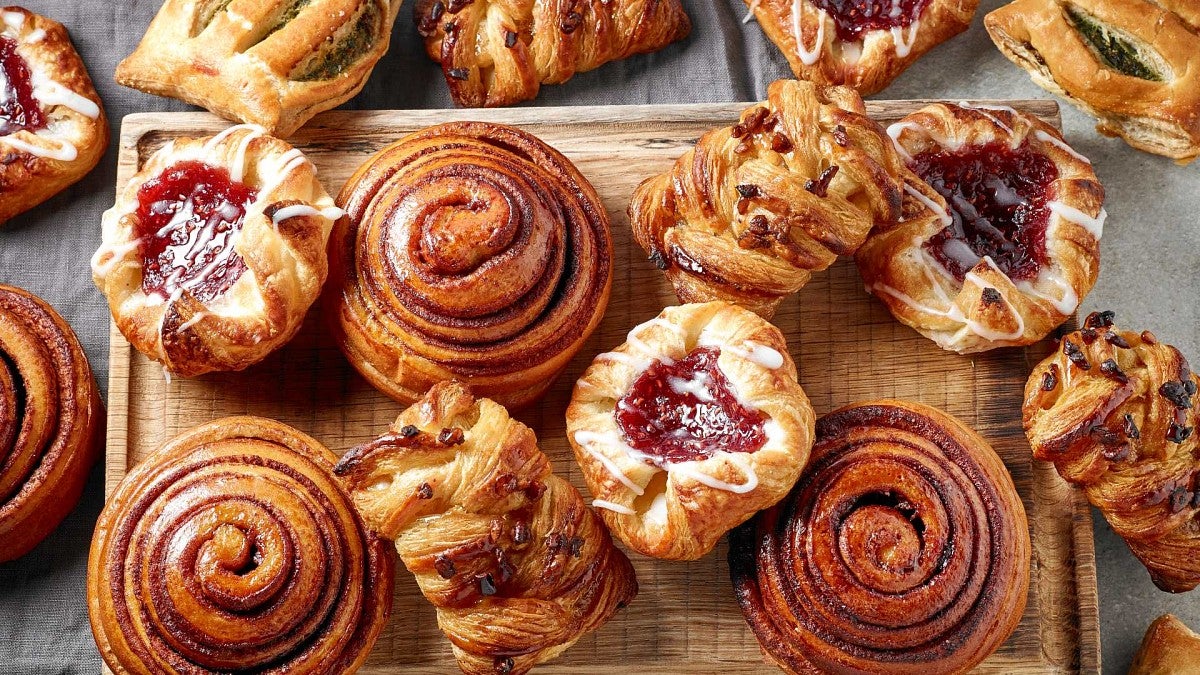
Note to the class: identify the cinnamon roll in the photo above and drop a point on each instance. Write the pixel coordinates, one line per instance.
(903, 548)
(51, 421)
(472, 251)
(233, 548)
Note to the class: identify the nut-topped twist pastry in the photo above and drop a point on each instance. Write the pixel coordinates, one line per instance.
(1169, 648)
(1116, 411)
(51, 421)
(472, 251)
(903, 548)
(232, 548)
(1000, 238)
(498, 52)
(517, 566)
(749, 213)
(274, 63)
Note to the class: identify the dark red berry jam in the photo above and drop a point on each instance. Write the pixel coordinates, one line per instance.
(855, 17)
(677, 422)
(997, 198)
(18, 107)
(188, 218)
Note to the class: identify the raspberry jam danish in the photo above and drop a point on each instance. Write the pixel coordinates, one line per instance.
(1000, 238)
(690, 427)
(215, 250)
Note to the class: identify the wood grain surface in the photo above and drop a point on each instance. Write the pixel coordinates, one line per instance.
(846, 345)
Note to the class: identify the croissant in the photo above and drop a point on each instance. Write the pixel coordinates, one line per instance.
(1169, 648)
(517, 566)
(500, 52)
(1116, 412)
(754, 209)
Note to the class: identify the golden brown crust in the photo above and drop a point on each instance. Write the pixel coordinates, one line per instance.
(695, 511)
(51, 421)
(903, 548)
(1116, 411)
(498, 52)
(1133, 64)
(36, 165)
(472, 251)
(233, 548)
(1169, 648)
(749, 213)
(286, 261)
(275, 63)
(515, 563)
(965, 316)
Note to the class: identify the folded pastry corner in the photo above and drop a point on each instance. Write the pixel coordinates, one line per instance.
(1169, 648)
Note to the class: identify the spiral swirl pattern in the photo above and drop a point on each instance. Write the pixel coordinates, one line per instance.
(232, 548)
(472, 251)
(50, 416)
(904, 548)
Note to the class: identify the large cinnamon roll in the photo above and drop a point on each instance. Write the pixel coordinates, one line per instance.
(902, 549)
(50, 419)
(472, 251)
(232, 548)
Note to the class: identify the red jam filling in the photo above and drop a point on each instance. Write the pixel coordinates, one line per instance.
(188, 219)
(18, 108)
(686, 410)
(997, 198)
(855, 17)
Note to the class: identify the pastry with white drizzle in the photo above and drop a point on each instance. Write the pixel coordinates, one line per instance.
(690, 427)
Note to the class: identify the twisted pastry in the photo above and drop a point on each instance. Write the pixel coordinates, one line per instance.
(517, 566)
(1169, 648)
(51, 421)
(472, 251)
(902, 549)
(749, 213)
(232, 548)
(1116, 411)
(500, 52)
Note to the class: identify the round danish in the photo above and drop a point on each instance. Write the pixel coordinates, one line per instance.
(52, 125)
(1000, 235)
(690, 427)
(215, 250)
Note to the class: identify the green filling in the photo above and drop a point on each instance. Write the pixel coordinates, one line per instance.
(288, 14)
(1117, 52)
(349, 48)
(207, 13)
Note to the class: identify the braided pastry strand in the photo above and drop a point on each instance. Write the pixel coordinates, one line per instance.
(517, 566)
(755, 208)
(1116, 412)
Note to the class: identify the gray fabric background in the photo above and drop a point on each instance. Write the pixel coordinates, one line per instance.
(1151, 273)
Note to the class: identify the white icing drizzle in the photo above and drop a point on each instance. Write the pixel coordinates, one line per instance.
(66, 151)
(1062, 145)
(942, 214)
(586, 439)
(613, 506)
(118, 252)
(1065, 305)
(898, 128)
(983, 331)
(807, 57)
(35, 36)
(299, 210)
(750, 11)
(166, 374)
(759, 354)
(238, 170)
(1073, 215)
(904, 44)
(983, 108)
(50, 93)
(697, 386)
(291, 160)
(14, 20)
(196, 318)
(632, 360)
(689, 470)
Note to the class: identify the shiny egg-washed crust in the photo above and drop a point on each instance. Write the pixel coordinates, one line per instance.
(51, 421)
(1169, 648)
(1116, 412)
(274, 63)
(1149, 96)
(232, 548)
(286, 263)
(696, 515)
(877, 62)
(749, 213)
(516, 564)
(500, 52)
(965, 316)
(903, 549)
(30, 178)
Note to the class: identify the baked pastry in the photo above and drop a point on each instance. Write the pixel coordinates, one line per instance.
(1116, 411)
(1132, 64)
(496, 52)
(515, 563)
(273, 63)
(690, 427)
(862, 44)
(1169, 648)
(473, 251)
(1000, 238)
(52, 125)
(233, 549)
(215, 250)
(754, 209)
(902, 549)
(51, 421)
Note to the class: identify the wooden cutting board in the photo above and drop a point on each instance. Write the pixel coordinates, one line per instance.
(846, 345)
